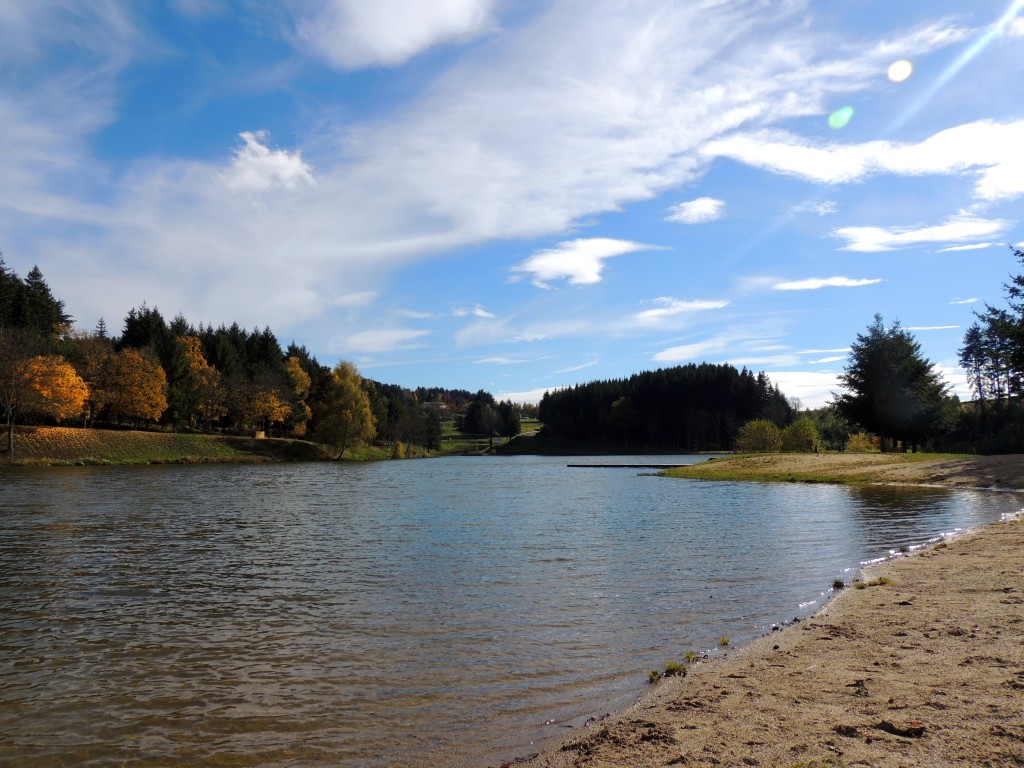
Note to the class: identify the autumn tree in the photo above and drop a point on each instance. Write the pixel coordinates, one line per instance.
(55, 388)
(91, 354)
(206, 398)
(137, 385)
(300, 382)
(345, 415)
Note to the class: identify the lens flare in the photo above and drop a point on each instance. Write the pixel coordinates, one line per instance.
(900, 70)
(840, 118)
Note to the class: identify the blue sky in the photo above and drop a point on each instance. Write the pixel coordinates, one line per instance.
(519, 195)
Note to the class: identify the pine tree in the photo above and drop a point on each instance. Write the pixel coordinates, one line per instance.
(891, 389)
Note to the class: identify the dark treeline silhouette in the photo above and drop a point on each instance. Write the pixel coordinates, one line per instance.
(686, 408)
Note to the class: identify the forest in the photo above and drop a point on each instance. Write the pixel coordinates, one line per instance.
(180, 376)
(679, 409)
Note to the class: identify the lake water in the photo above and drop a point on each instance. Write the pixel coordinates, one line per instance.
(441, 612)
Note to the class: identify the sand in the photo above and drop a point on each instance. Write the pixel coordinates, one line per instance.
(926, 669)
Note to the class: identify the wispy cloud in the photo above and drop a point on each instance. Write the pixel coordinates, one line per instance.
(579, 262)
(574, 368)
(697, 350)
(697, 211)
(379, 340)
(820, 207)
(971, 247)
(814, 283)
(932, 327)
(671, 307)
(477, 311)
(357, 299)
(500, 360)
(960, 228)
(832, 359)
(965, 301)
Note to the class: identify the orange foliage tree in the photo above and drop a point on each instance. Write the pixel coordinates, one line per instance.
(56, 389)
(137, 386)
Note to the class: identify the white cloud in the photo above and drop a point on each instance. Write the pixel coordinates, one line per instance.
(257, 168)
(986, 149)
(476, 311)
(697, 211)
(963, 227)
(529, 396)
(380, 340)
(500, 360)
(686, 352)
(580, 262)
(965, 301)
(831, 359)
(812, 388)
(356, 299)
(670, 307)
(1015, 28)
(349, 34)
(820, 207)
(971, 247)
(814, 283)
(574, 368)
(932, 327)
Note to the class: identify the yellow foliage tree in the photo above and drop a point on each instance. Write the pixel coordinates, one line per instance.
(207, 398)
(137, 386)
(300, 382)
(345, 416)
(56, 389)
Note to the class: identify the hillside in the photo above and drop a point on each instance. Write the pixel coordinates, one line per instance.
(69, 446)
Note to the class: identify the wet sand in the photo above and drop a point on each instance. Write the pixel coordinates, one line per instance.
(923, 669)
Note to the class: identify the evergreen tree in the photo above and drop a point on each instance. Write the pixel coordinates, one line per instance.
(891, 389)
(36, 308)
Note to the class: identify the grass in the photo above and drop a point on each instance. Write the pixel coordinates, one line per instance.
(691, 656)
(67, 446)
(881, 581)
(841, 468)
(723, 642)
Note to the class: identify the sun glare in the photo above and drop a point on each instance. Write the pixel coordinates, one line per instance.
(840, 118)
(900, 70)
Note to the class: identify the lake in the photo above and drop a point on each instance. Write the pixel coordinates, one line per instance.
(451, 611)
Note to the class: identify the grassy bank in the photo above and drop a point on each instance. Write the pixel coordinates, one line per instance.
(844, 468)
(58, 446)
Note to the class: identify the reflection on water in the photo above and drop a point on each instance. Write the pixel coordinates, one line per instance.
(430, 612)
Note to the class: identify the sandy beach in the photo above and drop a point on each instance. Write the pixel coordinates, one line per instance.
(924, 667)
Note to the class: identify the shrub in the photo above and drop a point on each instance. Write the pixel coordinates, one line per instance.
(759, 436)
(801, 437)
(861, 442)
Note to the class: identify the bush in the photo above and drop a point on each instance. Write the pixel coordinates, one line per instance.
(759, 436)
(801, 437)
(860, 443)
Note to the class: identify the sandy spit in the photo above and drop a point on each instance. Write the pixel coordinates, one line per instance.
(926, 669)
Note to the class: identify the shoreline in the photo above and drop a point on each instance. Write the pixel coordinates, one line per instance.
(923, 667)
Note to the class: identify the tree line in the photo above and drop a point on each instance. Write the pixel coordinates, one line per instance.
(684, 408)
(177, 375)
